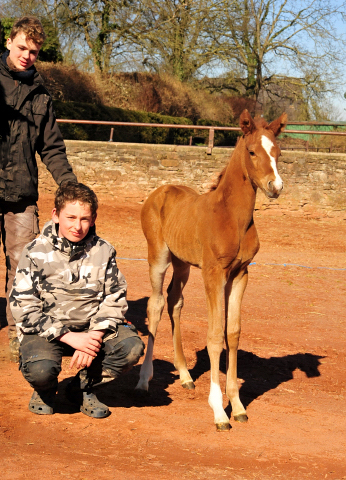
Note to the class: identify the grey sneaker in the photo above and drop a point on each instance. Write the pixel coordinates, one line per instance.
(88, 402)
(14, 349)
(93, 407)
(42, 403)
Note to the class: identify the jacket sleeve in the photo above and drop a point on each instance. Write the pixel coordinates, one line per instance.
(27, 306)
(51, 147)
(114, 305)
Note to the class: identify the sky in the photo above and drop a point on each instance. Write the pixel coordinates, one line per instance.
(339, 100)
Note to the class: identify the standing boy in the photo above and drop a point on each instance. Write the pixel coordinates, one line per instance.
(69, 297)
(27, 126)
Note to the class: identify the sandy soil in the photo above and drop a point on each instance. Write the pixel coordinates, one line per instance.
(292, 371)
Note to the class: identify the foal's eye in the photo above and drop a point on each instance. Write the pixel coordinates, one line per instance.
(252, 153)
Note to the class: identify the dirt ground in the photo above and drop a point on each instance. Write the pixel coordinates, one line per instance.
(292, 371)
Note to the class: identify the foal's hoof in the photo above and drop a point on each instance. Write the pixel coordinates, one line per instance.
(222, 427)
(242, 418)
(189, 385)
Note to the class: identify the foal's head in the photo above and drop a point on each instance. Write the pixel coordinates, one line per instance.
(263, 152)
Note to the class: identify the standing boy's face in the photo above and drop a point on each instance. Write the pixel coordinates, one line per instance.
(75, 220)
(23, 51)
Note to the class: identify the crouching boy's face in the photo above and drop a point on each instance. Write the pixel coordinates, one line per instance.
(74, 220)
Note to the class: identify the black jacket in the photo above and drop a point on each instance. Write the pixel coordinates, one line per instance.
(27, 126)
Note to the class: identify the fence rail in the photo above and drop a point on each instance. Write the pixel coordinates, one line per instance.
(210, 129)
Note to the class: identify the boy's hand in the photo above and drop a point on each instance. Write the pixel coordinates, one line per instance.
(98, 333)
(81, 359)
(87, 342)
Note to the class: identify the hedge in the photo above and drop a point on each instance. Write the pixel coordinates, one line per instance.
(85, 111)
(221, 137)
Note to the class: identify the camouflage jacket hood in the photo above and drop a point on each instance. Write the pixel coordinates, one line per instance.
(62, 286)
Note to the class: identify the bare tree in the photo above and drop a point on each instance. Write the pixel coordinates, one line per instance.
(291, 43)
(104, 24)
(172, 36)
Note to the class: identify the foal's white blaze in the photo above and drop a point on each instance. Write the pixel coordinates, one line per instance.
(267, 144)
(215, 401)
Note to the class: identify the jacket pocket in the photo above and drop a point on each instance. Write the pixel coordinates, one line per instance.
(39, 109)
(40, 104)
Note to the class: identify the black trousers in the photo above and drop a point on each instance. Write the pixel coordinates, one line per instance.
(40, 360)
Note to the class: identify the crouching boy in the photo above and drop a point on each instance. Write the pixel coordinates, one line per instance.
(69, 298)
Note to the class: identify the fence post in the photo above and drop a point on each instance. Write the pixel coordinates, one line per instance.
(211, 141)
(111, 136)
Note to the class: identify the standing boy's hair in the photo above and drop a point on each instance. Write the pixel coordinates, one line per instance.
(72, 192)
(31, 27)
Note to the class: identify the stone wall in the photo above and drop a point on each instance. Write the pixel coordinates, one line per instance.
(312, 181)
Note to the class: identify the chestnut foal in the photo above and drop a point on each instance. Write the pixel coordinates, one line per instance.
(215, 232)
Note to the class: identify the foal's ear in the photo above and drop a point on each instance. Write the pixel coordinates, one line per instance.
(246, 123)
(278, 125)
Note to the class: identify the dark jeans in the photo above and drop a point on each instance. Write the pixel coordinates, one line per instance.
(40, 360)
(19, 226)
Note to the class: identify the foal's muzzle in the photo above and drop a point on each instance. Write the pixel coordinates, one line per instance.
(274, 189)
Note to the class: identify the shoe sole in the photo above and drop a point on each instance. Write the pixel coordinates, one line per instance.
(95, 412)
(41, 409)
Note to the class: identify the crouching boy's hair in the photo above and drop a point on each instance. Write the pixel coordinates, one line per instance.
(72, 192)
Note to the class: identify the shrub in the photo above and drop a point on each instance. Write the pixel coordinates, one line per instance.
(66, 83)
(165, 95)
(135, 91)
(133, 97)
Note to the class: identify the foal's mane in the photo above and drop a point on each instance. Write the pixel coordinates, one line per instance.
(218, 180)
(260, 122)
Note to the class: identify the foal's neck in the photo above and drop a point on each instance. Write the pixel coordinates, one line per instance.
(235, 193)
(236, 185)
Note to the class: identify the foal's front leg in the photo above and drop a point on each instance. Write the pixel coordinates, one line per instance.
(214, 287)
(234, 292)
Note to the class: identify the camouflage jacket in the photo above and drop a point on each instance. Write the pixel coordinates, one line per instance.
(61, 286)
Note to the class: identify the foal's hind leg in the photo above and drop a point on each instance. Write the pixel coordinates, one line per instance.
(159, 261)
(175, 301)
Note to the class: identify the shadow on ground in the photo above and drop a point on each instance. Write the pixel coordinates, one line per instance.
(137, 313)
(3, 321)
(121, 391)
(261, 375)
